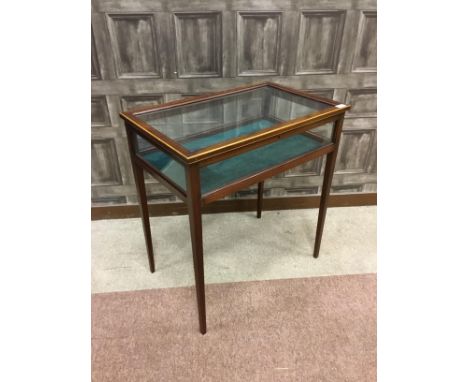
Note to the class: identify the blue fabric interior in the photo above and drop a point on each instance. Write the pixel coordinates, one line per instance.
(221, 173)
(209, 140)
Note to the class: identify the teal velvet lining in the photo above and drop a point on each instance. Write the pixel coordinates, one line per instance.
(218, 174)
(248, 128)
(168, 166)
(221, 173)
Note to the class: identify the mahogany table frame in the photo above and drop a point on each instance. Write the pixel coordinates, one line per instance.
(192, 163)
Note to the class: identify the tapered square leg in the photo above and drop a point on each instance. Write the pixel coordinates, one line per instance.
(141, 191)
(327, 181)
(195, 217)
(324, 202)
(259, 200)
(140, 181)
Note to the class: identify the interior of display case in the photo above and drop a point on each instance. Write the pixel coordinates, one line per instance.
(213, 122)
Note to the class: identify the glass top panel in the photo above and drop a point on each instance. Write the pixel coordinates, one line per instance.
(206, 123)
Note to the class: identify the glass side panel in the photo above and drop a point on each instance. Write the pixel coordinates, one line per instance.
(229, 170)
(206, 123)
(161, 161)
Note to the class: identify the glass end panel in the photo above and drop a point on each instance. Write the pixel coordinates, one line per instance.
(222, 173)
(322, 133)
(163, 162)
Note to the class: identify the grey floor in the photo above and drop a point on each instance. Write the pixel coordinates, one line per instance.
(237, 247)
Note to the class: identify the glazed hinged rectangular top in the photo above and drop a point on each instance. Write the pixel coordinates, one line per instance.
(199, 127)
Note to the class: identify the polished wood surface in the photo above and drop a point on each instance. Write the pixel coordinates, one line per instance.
(260, 199)
(327, 180)
(141, 190)
(194, 210)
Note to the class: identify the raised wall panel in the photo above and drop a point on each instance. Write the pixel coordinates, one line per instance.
(294, 185)
(258, 37)
(112, 194)
(365, 58)
(198, 44)
(105, 168)
(249, 107)
(346, 189)
(95, 73)
(99, 112)
(354, 152)
(161, 197)
(369, 187)
(300, 191)
(312, 167)
(360, 123)
(156, 192)
(212, 113)
(326, 93)
(249, 193)
(372, 160)
(363, 102)
(319, 42)
(109, 200)
(130, 102)
(134, 45)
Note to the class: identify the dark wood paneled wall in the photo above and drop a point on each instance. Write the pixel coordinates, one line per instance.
(153, 51)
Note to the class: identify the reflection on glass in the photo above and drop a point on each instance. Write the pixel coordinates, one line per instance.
(207, 123)
(161, 161)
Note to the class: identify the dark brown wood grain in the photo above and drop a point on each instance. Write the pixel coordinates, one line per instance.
(327, 180)
(194, 211)
(141, 190)
(260, 199)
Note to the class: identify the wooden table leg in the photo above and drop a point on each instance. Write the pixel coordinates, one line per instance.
(195, 217)
(327, 181)
(141, 191)
(259, 200)
(140, 182)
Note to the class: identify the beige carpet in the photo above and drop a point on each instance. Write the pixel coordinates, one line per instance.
(237, 247)
(312, 329)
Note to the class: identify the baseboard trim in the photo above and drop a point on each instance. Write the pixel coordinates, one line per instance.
(235, 205)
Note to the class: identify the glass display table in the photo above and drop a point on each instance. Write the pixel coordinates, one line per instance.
(206, 147)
